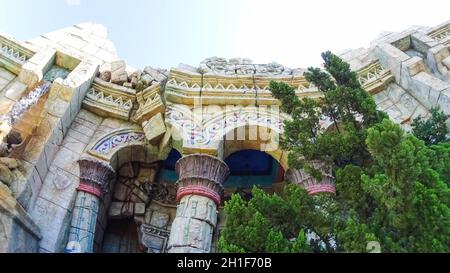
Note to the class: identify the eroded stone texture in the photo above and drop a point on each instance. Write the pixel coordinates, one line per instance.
(131, 120)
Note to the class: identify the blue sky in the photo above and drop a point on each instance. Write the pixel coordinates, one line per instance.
(163, 33)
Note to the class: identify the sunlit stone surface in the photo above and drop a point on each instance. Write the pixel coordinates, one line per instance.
(67, 95)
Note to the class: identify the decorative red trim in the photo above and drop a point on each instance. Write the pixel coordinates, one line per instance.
(90, 189)
(314, 189)
(198, 190)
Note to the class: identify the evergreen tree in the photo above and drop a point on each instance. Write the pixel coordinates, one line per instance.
(432, 130)
(391, 187)
(345, 104)
(260, 225)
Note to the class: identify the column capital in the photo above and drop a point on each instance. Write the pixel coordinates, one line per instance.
(95, 175)
(311, 184)
(201, 174)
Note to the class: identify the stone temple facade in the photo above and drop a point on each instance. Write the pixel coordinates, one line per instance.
(97, 156)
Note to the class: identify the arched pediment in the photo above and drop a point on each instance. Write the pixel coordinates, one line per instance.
(106, 146)
(196, 129)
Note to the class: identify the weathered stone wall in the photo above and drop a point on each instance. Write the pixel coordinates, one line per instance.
(124, 117)
(18, 232)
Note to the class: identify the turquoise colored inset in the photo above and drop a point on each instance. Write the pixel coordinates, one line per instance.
(247, 168)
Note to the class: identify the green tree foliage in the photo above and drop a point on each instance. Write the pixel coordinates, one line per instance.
(260, 225)
(345, 104)
(432, 130)
(390, 187)
(411, 212)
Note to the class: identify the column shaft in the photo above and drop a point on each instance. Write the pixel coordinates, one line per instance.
(94, 177)
(199, 193)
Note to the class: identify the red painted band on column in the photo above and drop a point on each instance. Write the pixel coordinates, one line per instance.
(198, 190)
(90, 189)
(314, 189)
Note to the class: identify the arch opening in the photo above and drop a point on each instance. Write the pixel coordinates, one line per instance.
(167, 173)
(136, 215)
(250, 168)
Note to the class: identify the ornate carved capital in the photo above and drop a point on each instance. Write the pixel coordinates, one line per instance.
(201, 174)
(95, 176)
(311, 184)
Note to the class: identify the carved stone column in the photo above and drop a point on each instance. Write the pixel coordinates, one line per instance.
(312, 185)
(94, 178)
(199, 193)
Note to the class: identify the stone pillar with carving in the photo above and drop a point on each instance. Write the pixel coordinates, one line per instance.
(311, 184)
(95, 176)
(199, 194)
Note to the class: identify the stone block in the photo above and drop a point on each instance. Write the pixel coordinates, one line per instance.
(159, 219)
(60, 187)
(138, 153)
(139, 196)
(444, 102)
(53, 222)
(121, 210)
(199, 207)
(15, 91)
(391, 58)
(79, 136)
(146, 174)
(446, 62)
(154, 128)
(127, 170)
(435, 56)
(67, 160)
(139, 209)
(118, 72)
(121, 192)
(73, 144)
(428, 88)
(5, 74)
(89, 118)
(155, 74)
(124, 156)
(192, 233)
(82, 129)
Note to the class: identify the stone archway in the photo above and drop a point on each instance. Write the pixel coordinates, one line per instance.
(140, 212)
(202, 130)
(103, 162)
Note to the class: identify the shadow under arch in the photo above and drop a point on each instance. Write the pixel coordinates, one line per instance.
(250, 168)
(129, 153)
(167, 173)
(252, 137)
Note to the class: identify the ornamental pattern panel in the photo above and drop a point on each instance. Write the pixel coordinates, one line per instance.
(113, 142)
(214, 129)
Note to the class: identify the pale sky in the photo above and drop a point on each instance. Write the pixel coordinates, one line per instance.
(163, 33)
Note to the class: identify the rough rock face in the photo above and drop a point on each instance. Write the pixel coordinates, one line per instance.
(7, 165)
(138, 80)
(243, 66)
(105, 76)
